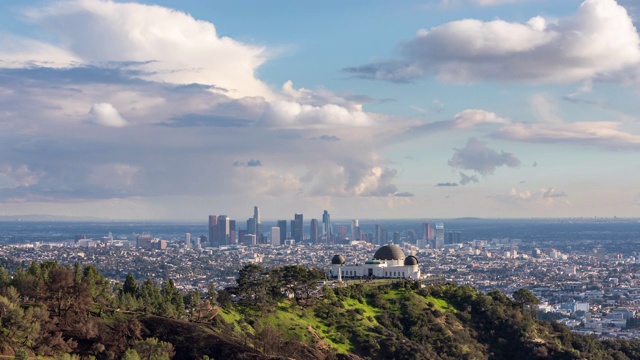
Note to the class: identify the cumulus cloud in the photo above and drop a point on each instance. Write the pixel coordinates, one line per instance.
(548, 196)
(475, 117)
(106, 115)
(286, 114)
(161, 44)
(598, 42)
(476, 156)
(553, 192)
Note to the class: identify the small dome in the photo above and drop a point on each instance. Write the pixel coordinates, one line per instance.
(411, 260)
(389, 252)
(338, 260)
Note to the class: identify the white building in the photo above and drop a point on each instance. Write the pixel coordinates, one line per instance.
(275, 236)
(388, 262)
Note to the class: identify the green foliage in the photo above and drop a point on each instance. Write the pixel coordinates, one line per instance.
(154, 349)
(130, 285)
(131, 354)
(21, 354)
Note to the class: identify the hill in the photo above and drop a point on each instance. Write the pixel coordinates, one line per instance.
(74, 313)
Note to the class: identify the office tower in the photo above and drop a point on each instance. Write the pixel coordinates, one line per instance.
(222, 235)
(275, 236)
(326, 227)
(187, 240)
(439, 243)
(427, 233)
(213, 229)
(199, 241)
(249, 239)
(342, 233)
(396, 237)
(256, 221)
(251, 226)
(314, 231)
(232, 232)
(282, 224)
(355, 230)
(298, 226)
(378, 235)
(452, 237)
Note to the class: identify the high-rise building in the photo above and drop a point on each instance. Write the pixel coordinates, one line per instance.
(187, 240)
(314, 231)
(232, 232)
(342, 233)
(222, 235)
(213, 229)
(326, 227)
(298, 228)
(452, 237)
(355, 230)
(427, 232)
(439, 239)
(282, 224)
(256, 220)
(251, 226)
(379, 235)
(275, 236)
(256, 214)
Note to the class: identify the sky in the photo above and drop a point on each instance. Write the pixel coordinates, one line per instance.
(174, 110)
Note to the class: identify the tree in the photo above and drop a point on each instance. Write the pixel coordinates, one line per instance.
(131, 354)
(172, 300)
(21, 354)
(130, 285)
(212, 294)
(525, 298)
(153, 349)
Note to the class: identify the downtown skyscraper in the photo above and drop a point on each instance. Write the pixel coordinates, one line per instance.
(326, 228)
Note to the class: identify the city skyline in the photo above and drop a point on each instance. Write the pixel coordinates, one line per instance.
(431, 109)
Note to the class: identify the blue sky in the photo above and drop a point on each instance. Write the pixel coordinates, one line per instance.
(369, 109)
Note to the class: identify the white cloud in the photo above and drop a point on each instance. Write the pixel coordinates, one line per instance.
(598, 42)
(294, 115)
(542, 197)
(594, 133)
(475, 117)
(106, 115)
(155, 42)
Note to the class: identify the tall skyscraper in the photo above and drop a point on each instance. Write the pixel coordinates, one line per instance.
(251, 226)
(187, 240)
(222, 236)
(379, 235)
(355, 230)
(298, 228)
(426, 231)
(275, 236)
(282, 224)
(232, 233)
(213, 229)
(326, 227)
(256, 214)
(439, 243)
(314, 231)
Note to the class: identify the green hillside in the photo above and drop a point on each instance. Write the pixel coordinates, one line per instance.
(54, 312)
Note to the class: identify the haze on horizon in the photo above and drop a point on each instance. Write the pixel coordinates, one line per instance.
(368, 109)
